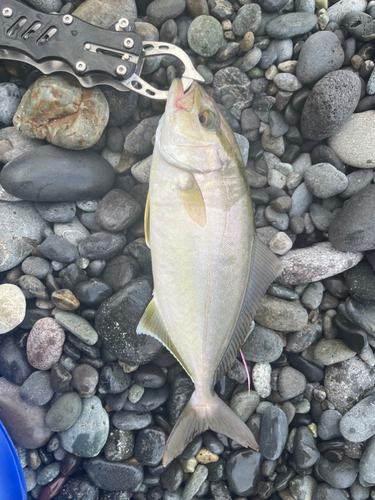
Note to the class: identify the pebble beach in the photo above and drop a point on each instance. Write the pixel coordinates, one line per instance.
(88, 403)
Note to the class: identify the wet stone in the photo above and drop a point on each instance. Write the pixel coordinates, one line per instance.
(102, 245)
(113, 379)
(273, 433)
(326, 492)
(79, 487)
(302, 339)
(48, 474)
(119, 446)
(88, 435)
(56, 212)
(64, 412)
(119, 271)
(36, 390)
(128, 420)
(360, 281)
(114, 476)
(65, 300)
(57, 248)
(149, 376)
(117, 210)
(85, 380)
(172, 477)
(151, 399)
(328, 427)
(194, 482)
(49, 173)
(243, 471)
(77, 325)
(339, 475)
(248, 18)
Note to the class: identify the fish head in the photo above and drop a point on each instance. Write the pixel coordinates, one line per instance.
(193, 134)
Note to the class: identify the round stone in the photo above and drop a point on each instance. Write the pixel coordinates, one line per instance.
(73, 117)
(324, 180)
(282, 315)
(64, 412)
(248, 19)
(291, 25)
(12, 307)
(88, 435)
(49, 173)
(320, 54)
(36, 390)
(205, 35)
(117, 320)
(273, 433)
(45, 343)
(243, 471)
(291, 383)
(262, 346)
(358, 424)
(21, 228)
(330, 104)
(315, 263)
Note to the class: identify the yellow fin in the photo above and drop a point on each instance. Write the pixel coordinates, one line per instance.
(147, 220)
(152, 324)
(193, 202)
(264, 267)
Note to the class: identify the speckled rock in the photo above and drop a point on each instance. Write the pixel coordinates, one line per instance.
(290, 25)
(353, 142)
(59, 109)
(346, 383)
(320, 261)
(353, 228)
(21, 230)
(104, 14)
(53, 174)
(88, 435)
(280, 314)
(45, 343)
(24, 423)
(117, 319)
(330, 104)
(10, 98)
(338, 11)
(12, 307)
(160, 11)
(320, 54)
(13, 143)
(205, 35)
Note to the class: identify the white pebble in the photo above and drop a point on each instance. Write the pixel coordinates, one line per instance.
(276, 178)
(261, 376)
(280, 243)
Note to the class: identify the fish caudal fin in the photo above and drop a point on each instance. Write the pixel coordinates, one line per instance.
(205, 412)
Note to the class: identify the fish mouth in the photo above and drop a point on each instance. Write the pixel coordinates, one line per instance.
(180, 99)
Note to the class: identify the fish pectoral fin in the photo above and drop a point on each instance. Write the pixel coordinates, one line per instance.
(264, 268)
(152, 324)
(193, 201)
(147, 220)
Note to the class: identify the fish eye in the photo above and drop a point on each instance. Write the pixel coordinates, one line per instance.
(207, 118)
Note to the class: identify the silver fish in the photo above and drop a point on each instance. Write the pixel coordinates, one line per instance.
(210, 271)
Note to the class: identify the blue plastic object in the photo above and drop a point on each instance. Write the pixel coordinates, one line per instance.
(12, 480)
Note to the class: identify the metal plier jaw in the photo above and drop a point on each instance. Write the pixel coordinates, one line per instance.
(95, 56)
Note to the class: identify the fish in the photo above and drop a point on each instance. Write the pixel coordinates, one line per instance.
(210, 270)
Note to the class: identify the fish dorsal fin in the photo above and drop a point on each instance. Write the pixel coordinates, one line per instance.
(147, 220)
(152, 324)
(264, 268)
(193, 201)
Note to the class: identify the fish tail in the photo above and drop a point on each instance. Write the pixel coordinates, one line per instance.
(203, 412)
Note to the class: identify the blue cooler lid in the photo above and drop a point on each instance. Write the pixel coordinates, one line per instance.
(12, 480)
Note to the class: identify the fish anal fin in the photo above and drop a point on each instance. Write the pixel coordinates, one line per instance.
(152, 324)
(193, 201)
(147, 221)
(264, 268)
